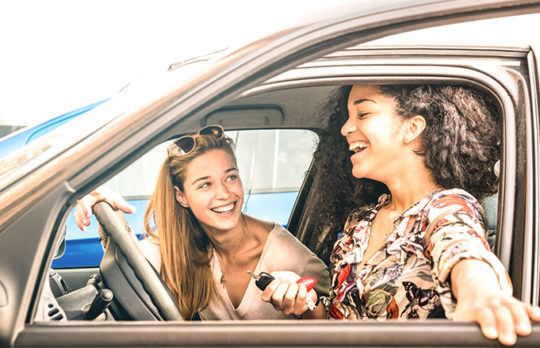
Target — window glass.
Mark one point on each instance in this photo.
(293, 148)
(272, 166)
(139, 179)
(274, 160)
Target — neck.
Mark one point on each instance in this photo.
(407, 191)
(227, 243)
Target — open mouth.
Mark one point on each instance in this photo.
(223, 209)
(357, 147)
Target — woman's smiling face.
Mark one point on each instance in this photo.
(213, 191)
(374, 133)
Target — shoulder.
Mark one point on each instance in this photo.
(260, 228)
(452, 198)
(452, 201)
(280, 236)
(282, 243)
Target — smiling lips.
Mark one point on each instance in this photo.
(357, 146)
(224, 209)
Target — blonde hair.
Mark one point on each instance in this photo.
(185, 248)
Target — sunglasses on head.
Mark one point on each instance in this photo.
(186, 144)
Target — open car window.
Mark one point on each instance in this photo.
(272, 164)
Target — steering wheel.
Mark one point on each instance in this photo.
(120, 236)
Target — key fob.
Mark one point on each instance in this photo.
(264, 280)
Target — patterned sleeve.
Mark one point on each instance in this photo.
(455, 231)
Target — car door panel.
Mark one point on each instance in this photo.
(303, 333)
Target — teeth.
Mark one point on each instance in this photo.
(224, 209)
(357, 147)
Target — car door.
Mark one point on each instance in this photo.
(43, 207)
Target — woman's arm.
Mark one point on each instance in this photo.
(480, 299)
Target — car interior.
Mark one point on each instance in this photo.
(126, 287)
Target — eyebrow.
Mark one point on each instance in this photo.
(202, 178)
(360, 101)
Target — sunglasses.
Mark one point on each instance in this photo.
(186, 144)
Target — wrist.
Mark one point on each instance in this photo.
(473, 276)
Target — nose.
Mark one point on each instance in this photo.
(222, 191)
(347, 128)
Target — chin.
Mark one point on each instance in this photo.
(359, 173)
(227, 223)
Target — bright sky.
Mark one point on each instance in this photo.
(58, 55)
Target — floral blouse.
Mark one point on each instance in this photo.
(409, 276)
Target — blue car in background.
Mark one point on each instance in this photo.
(26, 135)
(269, 194)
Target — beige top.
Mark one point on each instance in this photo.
(282, 252)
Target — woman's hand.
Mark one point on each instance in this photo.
(290, 298)
(480, 299)
(83, 208)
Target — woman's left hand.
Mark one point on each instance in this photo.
(481, 300)
(289, 297)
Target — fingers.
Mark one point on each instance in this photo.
(286, 296)
(278, 295)
(300, 305)
(266, 295)
(505, 318)
(505, 325)
(521, 319)
(83, 211)
(119, 203)
(289, 298)
(113, 198)
(124, 206)
(83, 208)
(513, 317)
(533, 312)
(488, 323)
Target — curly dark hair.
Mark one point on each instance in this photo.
(460, 145)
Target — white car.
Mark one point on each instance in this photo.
(277, 86)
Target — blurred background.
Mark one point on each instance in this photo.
(59, 55)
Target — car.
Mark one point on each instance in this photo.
(26, 135)
(274, 90)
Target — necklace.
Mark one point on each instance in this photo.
(224, 270)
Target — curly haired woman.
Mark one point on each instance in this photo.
(414, 246)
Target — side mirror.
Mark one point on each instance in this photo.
(61, 249)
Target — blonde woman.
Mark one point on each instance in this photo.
(204, 245)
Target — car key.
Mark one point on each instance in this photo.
(263, 279)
